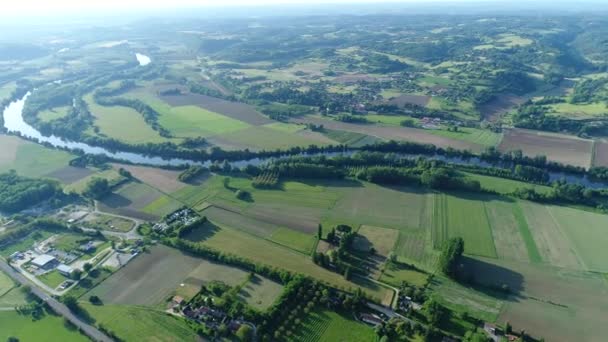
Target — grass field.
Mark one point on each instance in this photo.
(29, 159)
(132, 323)
(258, 250)
(587, 233)
(52, 279)
(122, 123)
(138, 200)
(106, 222)
(80, 185)
(153, 277)
(328, 326)
(53, 114)
(294, 239)
(194, 121)
(261, 137)
(10, 294)
(466, 217)
(477, 136)
(579, 111)
(506, 186)
(381, 239)
(48, 329)
(349, 138)
(396, 273)
(260, 293)
(506, 230)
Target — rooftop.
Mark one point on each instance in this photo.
(43, 259)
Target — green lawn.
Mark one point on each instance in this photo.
(52, 279)
(48, 329)
(328, 326)
(396, 273)
(132, 323)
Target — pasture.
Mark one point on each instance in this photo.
(163, 180)
(268, 253)
(122, 123)
(153, 277)
(260, 293)
(29, 159)
(53, 114)
(382, 240)
(294, 239)
(49, 328)
(579, 111)
(79, 185)
(194, 121)
(505, 186)
(557, 147)
(70, 174)
(473, 135)
(328, 326)
(463, 216)
(10, 294)
(268, 137)
(397, 273)
(133, 323)
(138, 200)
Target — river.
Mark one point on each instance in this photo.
(14, 123)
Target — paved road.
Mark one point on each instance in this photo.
(58, 307)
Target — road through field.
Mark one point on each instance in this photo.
(58, 307)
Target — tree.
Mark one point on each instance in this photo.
(450, 255)
(71, 302)
(77, 274)
(87, 267)
(95, 300)
(320, 232)
(245, 333)
(347, 273)
(96, 188)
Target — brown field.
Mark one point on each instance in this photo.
(549, 302)
(130, 200)
(108, 207)
(163, 180)
(305, 220)
(600, 153)
(394, 133)
(557, 147)
(236, 220)
(501, 104)
(418, 100)
(9, 145)
(235, 110)
(70, 174)
(152, 277)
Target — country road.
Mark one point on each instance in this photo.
(58, 307)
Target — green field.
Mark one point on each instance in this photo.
(194, 121)
(464, 299)
(132, 323)
(53, 114)
(328, 326)
(29, 159)
(260, 293)
(466, 217)
(396, 273)
(122, 123)
(579, 111)
(25, 243)
(52, 279)
(506, 186)
(260, 137)
(382, 240)
(10, 294)
(268, 253)
(48, 329)
(79, 187)
(474, 135)
(294, 239)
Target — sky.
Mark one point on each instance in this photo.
(54, 6)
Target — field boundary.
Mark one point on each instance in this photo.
(533, 253)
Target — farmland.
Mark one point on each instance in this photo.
(561, 148)
(138, 200)
(49, 328)
(327, 326)
(29, 159)
(133, 323)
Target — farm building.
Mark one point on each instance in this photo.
(371, 319)
(45, 261)
(65, 270)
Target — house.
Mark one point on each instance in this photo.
(371, 319)
(178, 300)
(65, 270)
(87, 247)
(45, 262)
(16, 255)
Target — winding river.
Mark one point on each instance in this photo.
(14, 123)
